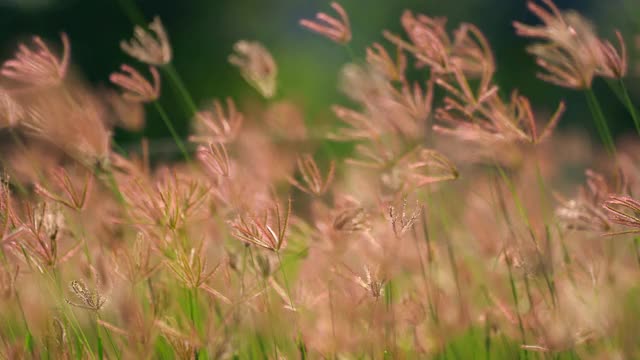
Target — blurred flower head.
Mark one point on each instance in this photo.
(571, 54)
(338, 30)
(135, 87)
(256, 66)
(151, 47)
(38, 67)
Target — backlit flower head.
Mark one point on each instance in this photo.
(89, 299)
(585, 211)
(338, 30)
(571, 54)
(218, 125)
(74, 123)
(372, 283)
(312, 180)
(151, 47)
(215, 159)
(267, 230)
(379, 58)
(623, 210)
(136, 87)
(38, 66)
(256, 66)
(10, 111)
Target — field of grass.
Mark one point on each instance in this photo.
(434, 216)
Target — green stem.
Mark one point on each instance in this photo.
(172, 130)
(636, 246)
(99, 339)
(182, 89)
(600, 121)
(286, 282)
(621, 92)
(514, 294)
(111, 342)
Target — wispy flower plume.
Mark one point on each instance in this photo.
(314, 183)
(73, 123)
(267, 230)
(74, 196)
(401, 222)
(379, 58)
(10, 111)
(585, 212)
(150, 47)
(215, 159)
(218, 125)
(89, 299)
(623, 210)
(427, 166)
(429, 41)
(489, 119)
(572, 53)
(136, 88)
(372, 283)
(256, 66)
(338, 30)
(38, 67)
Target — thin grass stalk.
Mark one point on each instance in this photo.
(29, 336)
(286, 281)
(182, 89)
(514, 290)
(293, 305)
(525, 217)
(268, 303)
(551, 286)
(622, 93)
(600, 121)
(57, 293)
(172, 130)
(636, 247)
(516, 303)
(425, 229)
(487, 328)
(423, 270)
(333, 321)
(390, 309)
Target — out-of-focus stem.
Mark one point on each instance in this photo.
(172, 130)
(600, 121)
(182, 89)
(621, 92)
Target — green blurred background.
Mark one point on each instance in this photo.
(202, 33)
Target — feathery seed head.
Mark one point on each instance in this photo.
(571, 54)
(151, 47)
(217, 125)
(10, 111)
(38, 67)
(400, 222)
(256, 66)
(313, 182)
(89, 299)
(135, 87)
(215, 159)
(623, 210)
(372, 283)
(338, 30)
(585, 212)
(352, 219)
(74, 197)
(267, 230)
(379, 59)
